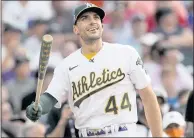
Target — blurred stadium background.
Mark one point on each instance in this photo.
(161, 31)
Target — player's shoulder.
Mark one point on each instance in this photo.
(67, 61)
(119, 47)
(73, 56)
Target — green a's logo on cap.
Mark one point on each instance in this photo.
(90, 5)
(83, 7)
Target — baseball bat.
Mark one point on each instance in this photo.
(43, 62)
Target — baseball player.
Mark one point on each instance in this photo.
(100, 81)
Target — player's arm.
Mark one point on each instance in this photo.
(152, 110)
(142, 81)
(52, 97)
(47, 102)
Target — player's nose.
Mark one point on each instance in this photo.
(92, 21)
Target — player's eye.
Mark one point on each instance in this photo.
(83, 18)
(97, 17)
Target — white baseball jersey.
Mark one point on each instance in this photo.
(100, 91)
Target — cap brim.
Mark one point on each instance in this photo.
(9, 28)
(97, 10)
(170, 118)
(174, 121)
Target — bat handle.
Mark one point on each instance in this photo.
(38, 93)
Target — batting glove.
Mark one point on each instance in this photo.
(32, 114)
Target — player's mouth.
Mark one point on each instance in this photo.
(93, 29)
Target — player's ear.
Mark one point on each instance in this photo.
(102, 27)
(75, 30)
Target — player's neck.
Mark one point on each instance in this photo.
(91, 47)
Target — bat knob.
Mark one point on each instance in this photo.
(47, 38)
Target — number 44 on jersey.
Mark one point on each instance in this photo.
(112, 106)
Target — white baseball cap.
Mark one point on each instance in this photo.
(149, 39)
(173, 117)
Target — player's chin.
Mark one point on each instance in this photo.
(94, 36)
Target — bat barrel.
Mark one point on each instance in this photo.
(43, 62)
(44, 55)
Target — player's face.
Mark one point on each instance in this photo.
(89, 26)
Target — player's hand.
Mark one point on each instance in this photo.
(32, 114)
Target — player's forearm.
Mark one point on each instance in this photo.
(47, 102)
(153, 116)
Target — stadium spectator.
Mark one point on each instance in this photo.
(173, 85)
(176, 6)
(33, 130)
(4, 95)
(139, 29)
(167, 64)
(60, 123)
(174, 34)
(142, 126)
(11, 44)
(119, 27)
(7, 113)
(22, 85)
(148, 41)
(173, 124)
(190, 17)
(62, 19)
(33, 43)
(162, 98)
(19, 13)
(12, 128)
(183, 96)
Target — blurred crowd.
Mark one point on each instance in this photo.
(161, 31)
